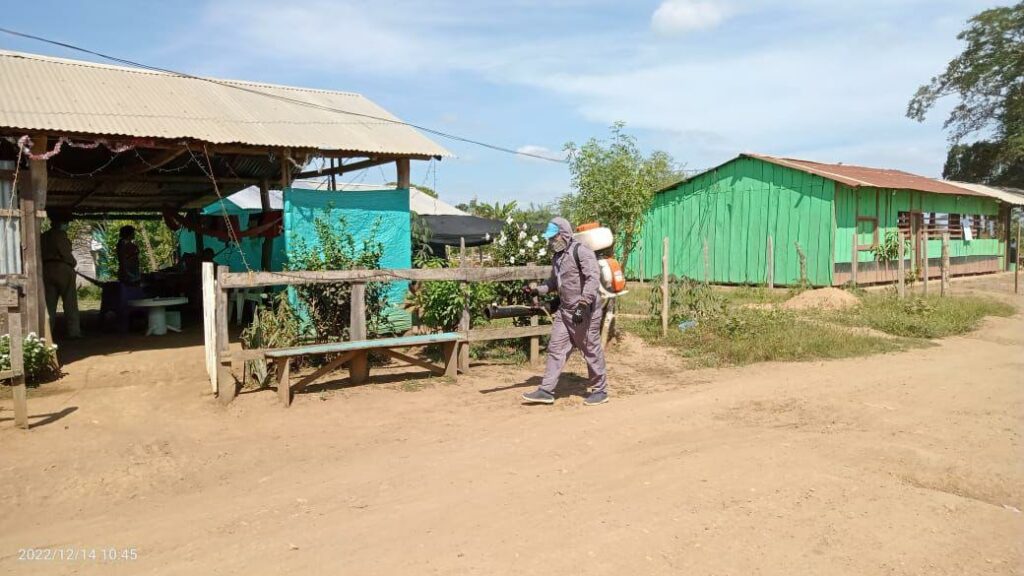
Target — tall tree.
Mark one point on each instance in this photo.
(988, 79)
(614, 184)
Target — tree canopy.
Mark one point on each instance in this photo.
(614, 183)
(987, 125)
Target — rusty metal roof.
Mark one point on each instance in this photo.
(857, 176)
(72, 96)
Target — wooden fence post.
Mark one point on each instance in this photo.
(210, 322)
(854, 262)
(769, 264)
(534, 343)
(225, 381)
(924, 263)
(1016, 263)
(641, 263)
(17, 366)
(944, 278)
(664, 287)
(901, 267)
(707, 263)
(359, 365)
(464, 321)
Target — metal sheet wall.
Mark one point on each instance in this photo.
(10, 228)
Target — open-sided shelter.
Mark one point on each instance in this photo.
(730, 223)
(106, 140)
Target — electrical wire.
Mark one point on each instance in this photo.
(279, 97)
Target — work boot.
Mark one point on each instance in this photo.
(596, 398)
(539, 396)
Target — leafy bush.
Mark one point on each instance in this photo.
(329, 305)
(40, 358)
(439, 304)
(274, 326)
(688, 300)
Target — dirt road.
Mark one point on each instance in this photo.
(908, 463)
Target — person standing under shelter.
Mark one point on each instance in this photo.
(59, 274)
(576, 277)
(129, 271)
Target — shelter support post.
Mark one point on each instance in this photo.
(19, 393)
(664, 285)
(197, 222)
(226, 389)
(359, 365)
(32, 195)
(402, 170)
(902, 266)
(769, 264)
(464, 321)
(534, 343)
(268, 242)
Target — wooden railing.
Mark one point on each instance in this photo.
(221, 361)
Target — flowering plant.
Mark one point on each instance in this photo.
(40, 357)
(518, 245)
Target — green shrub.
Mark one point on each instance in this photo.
(329, 305)
(439, 304)
(40, 358)
(688, 300)
(273, 326)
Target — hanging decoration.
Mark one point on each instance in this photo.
(25, 145)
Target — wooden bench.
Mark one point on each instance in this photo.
(354, 353)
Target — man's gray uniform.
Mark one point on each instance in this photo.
(574, 284)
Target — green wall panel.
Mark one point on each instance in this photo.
(734, 209)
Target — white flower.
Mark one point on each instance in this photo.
(522, 251)
(530, 243)
(487, 236)
(535, 238)
(501, 241)
(511, 259)
(542, 252)
(522, 235)
(509, 220)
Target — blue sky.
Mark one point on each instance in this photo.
(700, 79)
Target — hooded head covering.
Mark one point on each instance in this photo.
(559, 232)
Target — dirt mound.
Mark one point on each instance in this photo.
(824, 298)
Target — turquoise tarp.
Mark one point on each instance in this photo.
(230, 256)
(301, 209)
(361, 210)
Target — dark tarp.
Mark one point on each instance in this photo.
(447, 229)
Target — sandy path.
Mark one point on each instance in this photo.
(907, 463)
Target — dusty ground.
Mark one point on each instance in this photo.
(901, 464)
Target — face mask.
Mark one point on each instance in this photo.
(558, 243)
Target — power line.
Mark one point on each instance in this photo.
(296, 101)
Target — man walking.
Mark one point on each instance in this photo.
(577, 322)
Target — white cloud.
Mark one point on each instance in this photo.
(542, 151)
(677, 16)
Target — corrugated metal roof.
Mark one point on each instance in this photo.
(1013, 196)
(857, 176)
(43, 93)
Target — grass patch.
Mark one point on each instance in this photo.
(746, 336)
(931, 317)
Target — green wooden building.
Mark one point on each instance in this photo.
(720, 222)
